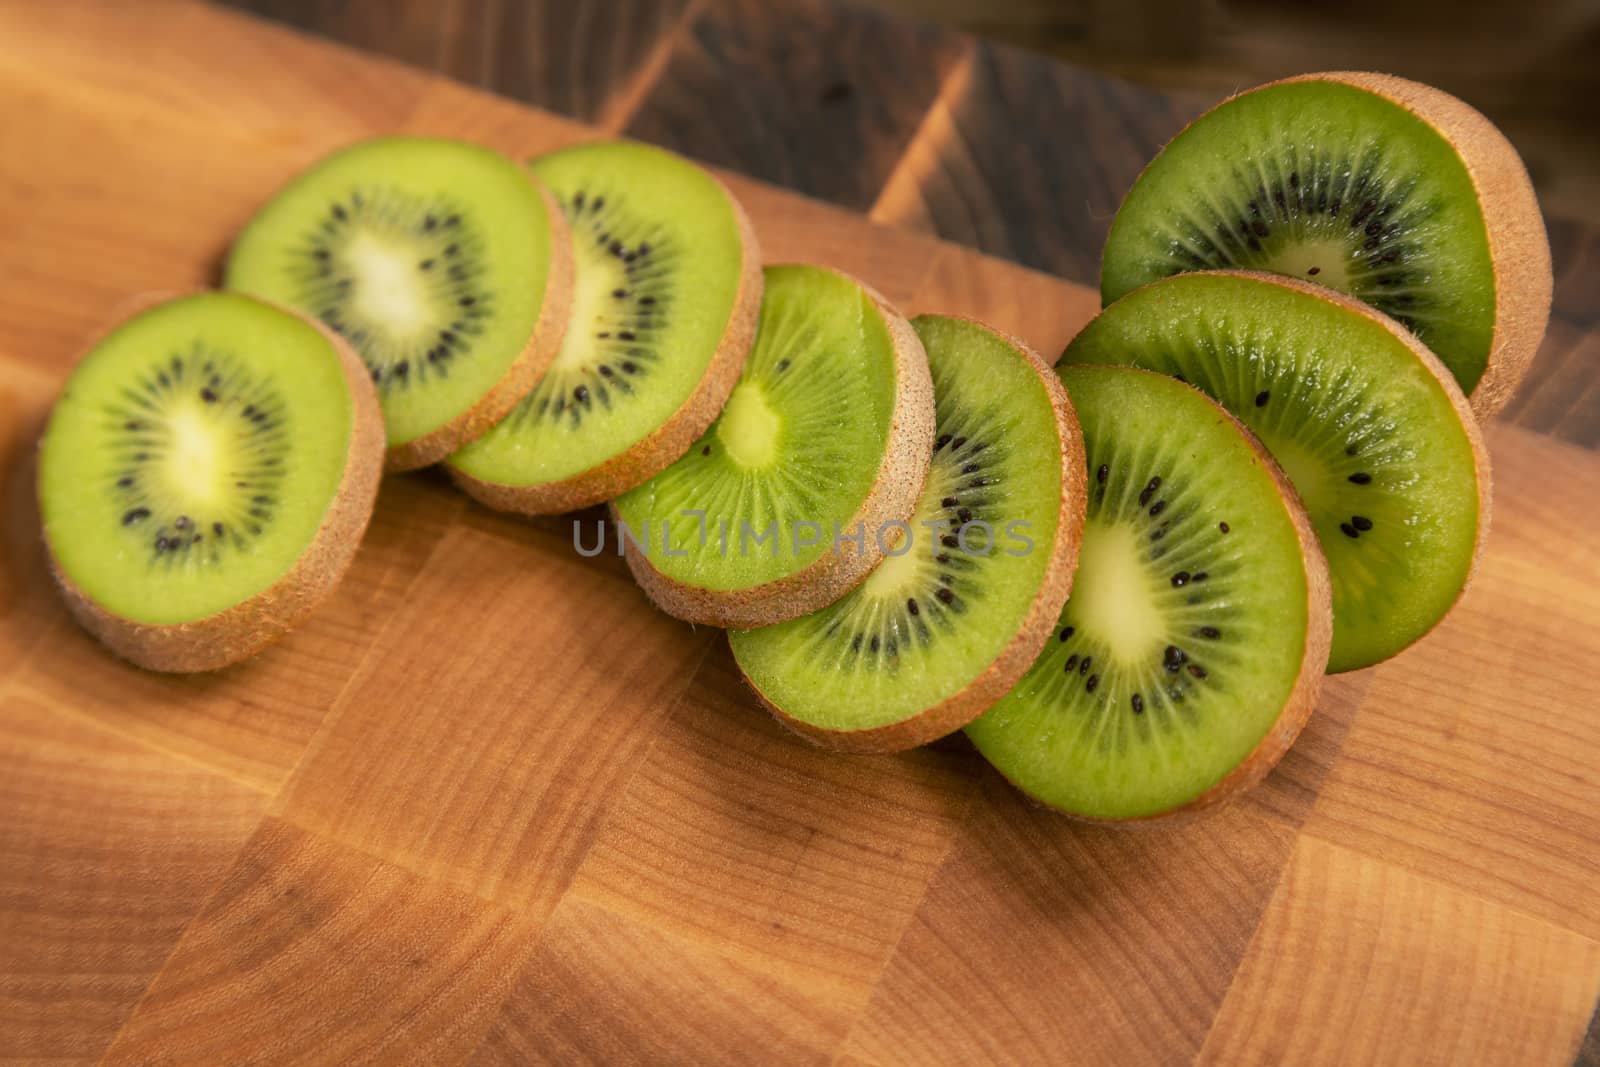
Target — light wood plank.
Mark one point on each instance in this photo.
(313, 953)
(739, 837)
(1358, 961)
(1042, 939)
(1473, 757)
(604, 989)
(509, 704)
(253, 720)
(107, 850)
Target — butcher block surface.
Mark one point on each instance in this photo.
(488, 806)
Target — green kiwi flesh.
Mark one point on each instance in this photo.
(1189, 653)
(825, 426)
(1372, 431)
(1330, 183)
(193, 457)
(430, 257)
(662, 255)
(984, 566)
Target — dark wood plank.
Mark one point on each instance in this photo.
(1028, 159)
(815, 95)
(575, 57)
(1589, 1051)
(1561, 395)
(1575, 252)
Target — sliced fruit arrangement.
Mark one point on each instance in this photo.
(1192, 648)
(1310, 294)
(445, 265)
(1394, 192)
(827, 436)
(1370, 427)
(205, 478)
(667, 287)
(944, 627)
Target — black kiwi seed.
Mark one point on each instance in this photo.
(1361, 522)
(1072, 662)
(1067, 633)
(706, 451)
(1138, 704)
(1100, 475)
(1083, 668)
(1348, 530)
(1210, 633)
(1157, 508)
(912, 606)
(216, 528)
(945, 595)
(1149, 491)
(1094, 680)
(1361, 478)
(1180, 579)
(1173, 658)
(1196, 670)
(1224, 527)
(1262, 398)
(581, 393)
(135, 515)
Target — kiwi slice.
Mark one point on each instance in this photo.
(205, 477)
(789, 499)
(947, 625)
(1370, 427)
(1385, 189)
(1192, 648)
(666, 290)
(444, 264)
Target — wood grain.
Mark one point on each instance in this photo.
(1048, 207)
(488, 768)
(1396, 983)
(1561, 395)
(27, 594)
(107, 850)
(313, 953)
(1040, 935)
(606, 989)
(254, 720)
(574, 58)
(513, 815)
(830, 122)
(1492, 786)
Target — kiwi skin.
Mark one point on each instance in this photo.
(1313, 662)
(239, 632)
(667, 443)
(893, 499)
(1002, 675)
(525, 371)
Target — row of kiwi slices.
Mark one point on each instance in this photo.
(1124, 576)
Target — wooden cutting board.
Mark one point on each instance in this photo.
(489, 806)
